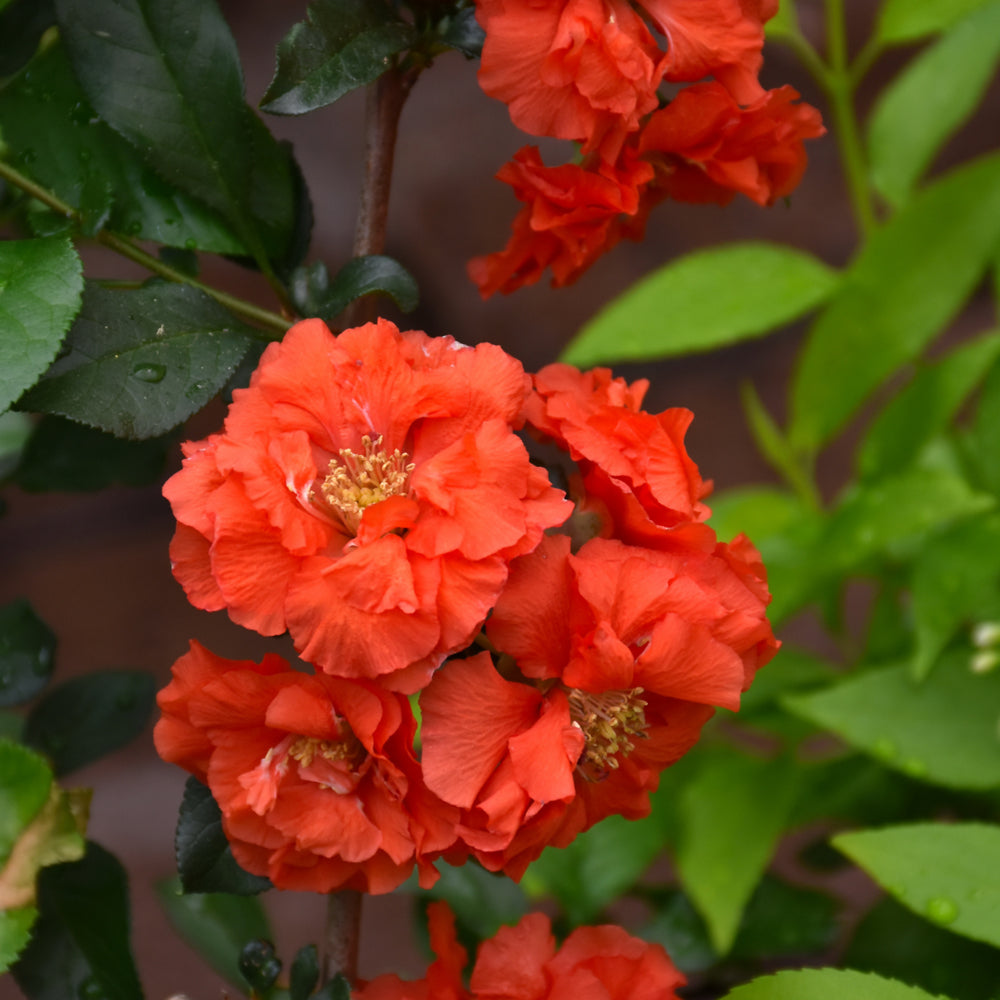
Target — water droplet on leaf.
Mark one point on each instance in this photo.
(149, 373)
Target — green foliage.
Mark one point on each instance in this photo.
(27, 647)
(942, 730)
(703, 301)
(480, 900)
(342, 45)
(316, 295)
(15, 932)
(84, 718)
(822, 984)
(910, 20)
(22, 24)
(27, 780)
(905, 285)
(40, 288)
(304, 974)
(140, 362)
(929, 101)
(216, 925)
(204, 858)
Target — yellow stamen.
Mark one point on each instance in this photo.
(306, 748)
(608, 721)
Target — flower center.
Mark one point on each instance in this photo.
(357, 480)
(306, 749)
(608, 722)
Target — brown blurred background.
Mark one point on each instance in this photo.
(95, 566)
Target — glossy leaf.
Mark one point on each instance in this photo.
(316, 295)
(167, 77)
(80, 944)
(948, 873)
(955, 582)
(57, 139)
(924, 407)
(15, 931)
(731, 816)
(823, 984)
(68, 457)
(892, 941)
(89, 716)
(342, 45)
(926, 103)
(40, 289)
(703, 301)
(910, 20)
(259, 966)
(204, 859)
(905, 285)
(216, 925)
(942, 730)
(140, 362)
(27, 648)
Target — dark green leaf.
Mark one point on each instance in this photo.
(80, 945)
(24, 790)
(167, 77)
(15, 930)
(40, 289)
(891, 941)
(703, 301)
(87, 717)
(342, 45)
(140, 362)
(461, 31)
(955, 582)
(22, 24)
(942, 730)
(948, 873)
(204, 859)
(216, 925)
(986, 432)
(924, 407)
(304, 973)
(480, 900)
(27, 648)
(909, 20)
(907, 283)
(360, 276)
(61, 143)
(15, 429)
(731, 814)
(69, 457)
(824, 984)
(926, 103)
(337, 988)
(259, 965)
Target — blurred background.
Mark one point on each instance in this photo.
(95, 567)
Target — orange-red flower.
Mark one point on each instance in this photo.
(524, 963)
(585, 70)
(314, 775)
(367, 494)
(707, 147)
(572, 215)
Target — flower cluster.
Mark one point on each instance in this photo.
(371, 494)
(591, 71)
(523, 963)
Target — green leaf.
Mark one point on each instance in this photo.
(140, 362)
(791, 670)
(57, 139)
(824, 984)
(304, 974)
(755, 511)
(599, 866)
(342, 45)
(785, 22)
(891, 941)
(948, 873)
(906, 284)
(955, 582)
(924, 407)
(480, 900)
(27, 648)
(204, 858)
(216, 925)
(22, 24)
(926, 103)
(985, 437)
(15, 931)
(40, 288)
(942, 730)
(316, 295)
(703, 301)
(80, 944)
(259, 966)
(910, 20)
(462, 32)
(167, 77)
(15, 430)
(24, 790)
(86, 717)
(731, 816)
(69, 457)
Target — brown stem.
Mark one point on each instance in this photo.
(340, 946)
(385, 100)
